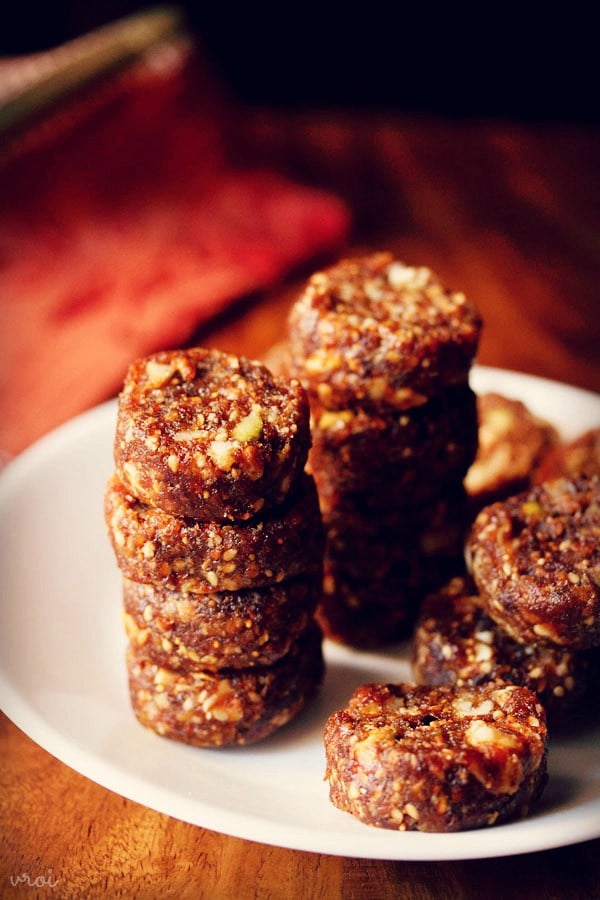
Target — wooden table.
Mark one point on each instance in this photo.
(506, 212)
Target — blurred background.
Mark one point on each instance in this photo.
(144, 212)
(530, 63)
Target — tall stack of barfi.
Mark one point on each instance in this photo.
(384, 351)
(217, 531)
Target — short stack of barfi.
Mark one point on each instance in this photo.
(530, 612)
(217, 531)
(384, 351)
(457, 643)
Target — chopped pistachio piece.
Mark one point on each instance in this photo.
(250, 427)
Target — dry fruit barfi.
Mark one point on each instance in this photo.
(368, 612)
(373, 599)
(185, 554)
(404, 458)
(376, 333)
(209, 435)
(361, 541)
(512, 442)
(579, 456)
(456, 642)
(232, 706)
(535, 559)
(224, 629)
(436, 759)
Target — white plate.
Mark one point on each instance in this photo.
(62, 675)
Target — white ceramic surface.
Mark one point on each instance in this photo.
(63, 682)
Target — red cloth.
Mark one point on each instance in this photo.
(123, 227)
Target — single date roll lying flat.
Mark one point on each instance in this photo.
(436, 759)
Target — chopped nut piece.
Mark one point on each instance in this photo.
(250, 427)
(223, 453)
(157, 373)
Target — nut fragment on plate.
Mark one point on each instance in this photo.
(436, 759)
(206, 434)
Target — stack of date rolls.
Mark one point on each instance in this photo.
(217, 532)
(384, 351)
